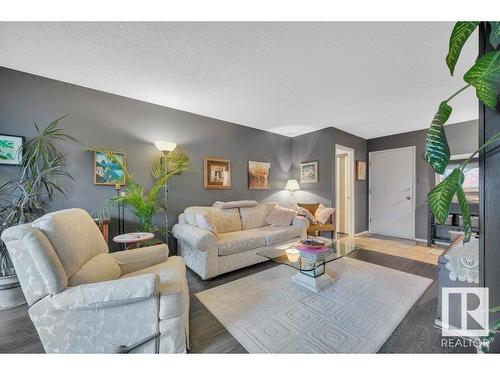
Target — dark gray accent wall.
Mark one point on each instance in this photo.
(102, 119)
(462, 138)
(320, 145)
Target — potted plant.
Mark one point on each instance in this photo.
(146, 204)
(24, 197)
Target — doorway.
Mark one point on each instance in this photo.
(392, 192)
(344, 190)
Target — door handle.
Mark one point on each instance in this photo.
(408, 198)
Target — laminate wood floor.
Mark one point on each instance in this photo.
(415, 334)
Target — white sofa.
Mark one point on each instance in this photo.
(241, 233)
(84, 299)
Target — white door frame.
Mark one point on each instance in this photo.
(413, 193)
(351, 225)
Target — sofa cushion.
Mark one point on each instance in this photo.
(225, 220)
(174, 294)
(275, 235)
(255, 217)
(74, 236)
(280, 216)
(234, 204)
(102, 267)
(236, 242)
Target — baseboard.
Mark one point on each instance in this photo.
(361, 233)
(420, 240)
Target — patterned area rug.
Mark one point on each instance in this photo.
(268, 313)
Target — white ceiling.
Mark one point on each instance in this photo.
(369, 79)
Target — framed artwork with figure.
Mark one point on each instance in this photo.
(360, 170)
(217, 173)
(258, 175)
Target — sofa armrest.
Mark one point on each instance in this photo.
(303, 223)
(106, 293)
(195, 237)
(137, 259)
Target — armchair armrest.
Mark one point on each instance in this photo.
(195, 237)
(137, 259)
(106, 293)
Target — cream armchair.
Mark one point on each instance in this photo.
(84, 299)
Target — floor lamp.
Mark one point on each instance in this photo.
(165, 147)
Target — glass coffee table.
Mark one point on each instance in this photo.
(311, 266)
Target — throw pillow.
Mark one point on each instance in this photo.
(204, 222)
(323, 214)
(311, 207)
(280, 216)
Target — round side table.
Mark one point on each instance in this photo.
(133, 238)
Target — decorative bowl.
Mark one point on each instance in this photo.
(312, 243)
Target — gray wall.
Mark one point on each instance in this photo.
(320, 145)
(98, 118)
(462, 138)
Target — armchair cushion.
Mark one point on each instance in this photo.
(74, 236)
(174, 294)
(137, 259)
(102, 267)
(195, 237)
(106, 294)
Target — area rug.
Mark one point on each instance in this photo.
(268, 313)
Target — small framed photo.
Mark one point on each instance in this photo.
(258, 175)
(11, 149)
(109, 172)
(217, 173)
(360, 170)
(309, 172)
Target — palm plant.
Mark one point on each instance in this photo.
(24, 198)
(145, 204)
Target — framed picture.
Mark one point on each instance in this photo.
(11, 149)
(108, 172)
(258, 175)
(217, 173)
(360, 170)
(309, 171)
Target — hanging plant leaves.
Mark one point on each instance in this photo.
(464, 209)
(485, 77)
(437, 151)
(495, 34)
(440, 197)
(461, 32)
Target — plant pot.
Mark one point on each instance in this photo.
(11, 294)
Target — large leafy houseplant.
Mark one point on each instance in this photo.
(37, 183)
(146, 204)
(484, 76)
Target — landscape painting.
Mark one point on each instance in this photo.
(258, 175)
(10, 149)
(108, 172)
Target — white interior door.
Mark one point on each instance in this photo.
(392, 189)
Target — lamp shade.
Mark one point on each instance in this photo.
(292, 185)
(165, 146)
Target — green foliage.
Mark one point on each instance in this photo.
(495, 33)
(440, 197)
(461, 32)
(485, 77)
(145, 204)
(437, 151)
(23, 198)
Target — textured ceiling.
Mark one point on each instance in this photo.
(369, 79)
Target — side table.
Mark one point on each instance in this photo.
(133, 238)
